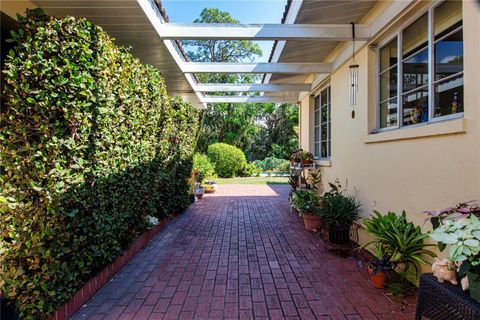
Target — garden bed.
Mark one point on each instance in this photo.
(97, 281)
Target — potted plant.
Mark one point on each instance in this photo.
(338, 212)
(307, 202)
(379, 269)
(397, 241)
(210, 186)
(199, 192)
(459, 228)
(302, 157)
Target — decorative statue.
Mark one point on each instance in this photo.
(444, 270)
(464, 283)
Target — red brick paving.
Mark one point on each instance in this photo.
(240, 254)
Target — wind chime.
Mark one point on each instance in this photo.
(353, 75)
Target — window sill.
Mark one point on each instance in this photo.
(428, 130)
(323, 163)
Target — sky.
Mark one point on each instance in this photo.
(246, 11)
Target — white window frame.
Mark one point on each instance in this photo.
(431, 73)
(320, 122)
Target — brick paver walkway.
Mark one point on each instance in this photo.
(240, 254)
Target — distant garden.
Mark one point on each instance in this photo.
(265, 134)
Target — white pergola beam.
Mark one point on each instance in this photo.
(252, 87)
(247, 99)
(263, 67)
(220, 31)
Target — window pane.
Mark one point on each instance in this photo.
(388, 113)
(324, 149)
(324, 97)
(388, 84)
(317, 149)
(317, 134)
(449, 97)
(415, 107)
(447, 17)
(415, 36)
(449, 56)
(317, 117)
(324, 114)
(329, 146)
(415, 71)
(388, 55)
(323, 135)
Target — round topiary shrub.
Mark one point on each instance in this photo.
(228, 159)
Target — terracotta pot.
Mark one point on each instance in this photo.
(199, 196)
(312, 222)
(304, 162)
(378, 279)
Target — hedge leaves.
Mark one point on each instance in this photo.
(90, 144)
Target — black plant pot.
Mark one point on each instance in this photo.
(6, 311)
(339, 235)
(192, 198)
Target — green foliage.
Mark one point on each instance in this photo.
(305, 201)
(221, 50)
(91, 145)
(248, 170)
(272, 163)
(397, 239)
(202, 164)
(277, 133)
(462, 237)
(339, 210)
(228, 160)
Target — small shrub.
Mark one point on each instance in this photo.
(248, 170)
(228, 159)
(205, 168)
(272, 163)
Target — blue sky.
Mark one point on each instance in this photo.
(246, 11)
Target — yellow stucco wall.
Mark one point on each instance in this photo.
(408, 172)
(12, 8)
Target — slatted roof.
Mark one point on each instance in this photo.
(311, 29)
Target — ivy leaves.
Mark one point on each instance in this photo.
(91, 145)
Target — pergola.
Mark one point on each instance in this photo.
(171, 32)
(294, 69)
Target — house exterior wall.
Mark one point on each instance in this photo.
(414, 169)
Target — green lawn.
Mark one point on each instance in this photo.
(253, 180)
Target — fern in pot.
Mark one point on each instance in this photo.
(396, 241)
(339, 211)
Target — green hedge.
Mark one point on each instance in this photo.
(202, 164)
(90, 145)
(228, 159)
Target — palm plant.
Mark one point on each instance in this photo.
(398, 240)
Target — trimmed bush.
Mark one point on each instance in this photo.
(228, 160)
(202, 164)
(272, 163)
(248, 170)
(90, 145)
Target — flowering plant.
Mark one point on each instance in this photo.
(459, 227)
(301, 155)
(462, 210)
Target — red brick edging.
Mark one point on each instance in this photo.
(89, 289)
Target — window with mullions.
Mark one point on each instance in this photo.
(322, 124)
(426, 83)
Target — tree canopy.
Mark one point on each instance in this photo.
(259, 130)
